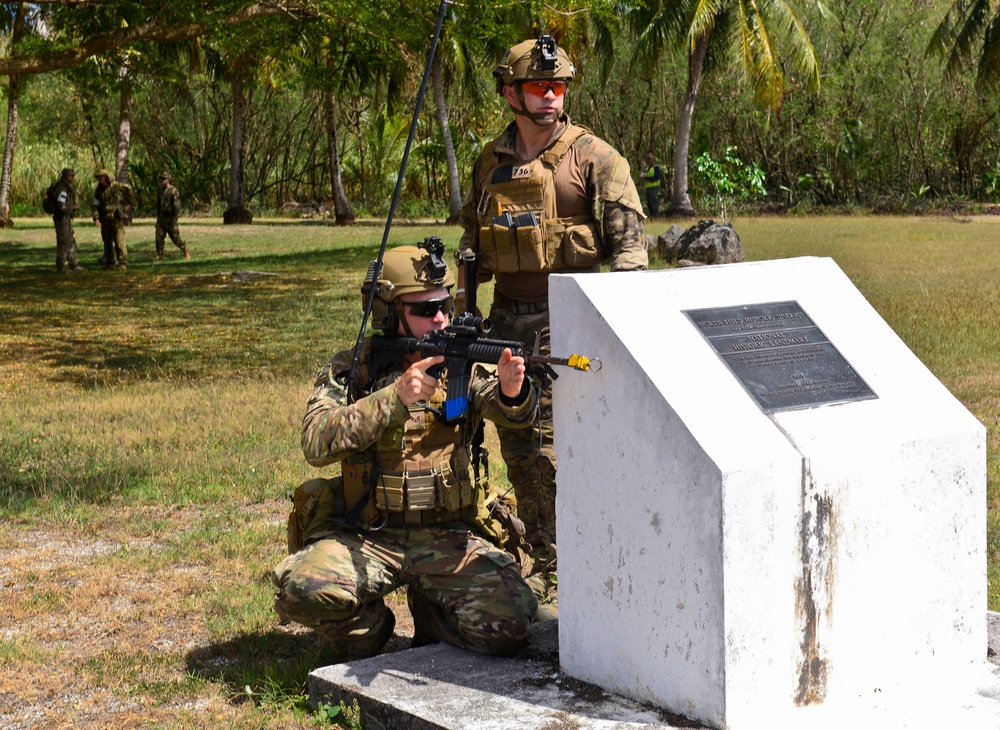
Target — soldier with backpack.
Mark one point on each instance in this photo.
(60, 203)
(112, 206)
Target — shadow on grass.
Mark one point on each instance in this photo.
(179, 318)
(271, 663)
(27, 476)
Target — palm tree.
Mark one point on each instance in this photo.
(970, 29)
(750, 34)
(13, 99)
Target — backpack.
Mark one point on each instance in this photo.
(49, 200)
(123, 202)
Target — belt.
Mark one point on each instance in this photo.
(424, 517)
(519, 307)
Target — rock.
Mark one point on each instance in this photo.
(650, 243)
(304, 210)
(666, 243)
(709, 242)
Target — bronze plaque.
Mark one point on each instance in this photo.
(780, 356)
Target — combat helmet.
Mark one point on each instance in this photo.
(103, 172)
(405, 270)
(534, 59)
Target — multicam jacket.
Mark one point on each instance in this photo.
(106, 200)
(168, 203)
(378, 425)
(64, 195)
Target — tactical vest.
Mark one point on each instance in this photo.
(417, 474)
(519, 229)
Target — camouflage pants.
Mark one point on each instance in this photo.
(529, 453)
(461, 589)
(167, 227)
(113, 235)
(65, 242)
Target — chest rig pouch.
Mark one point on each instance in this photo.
(519, 226)
(418, 474)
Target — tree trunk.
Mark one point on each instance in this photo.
(342, 207)
(237, 212)
(454, 194)
(11, 141)
(124, 128)
(680, 201)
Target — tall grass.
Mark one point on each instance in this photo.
(149, 427)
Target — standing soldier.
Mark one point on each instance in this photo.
(110, 200)
(547, 196)
(168, 207)
(62, 201)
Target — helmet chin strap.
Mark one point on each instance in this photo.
(401, 315)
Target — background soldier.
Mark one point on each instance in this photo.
(63, 197)
(168, 208)
(547, 196)
(407, 508)
(110, 199)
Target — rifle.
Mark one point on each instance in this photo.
(462, 343)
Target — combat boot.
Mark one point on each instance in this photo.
(187, 255)
(429, 623)
(158, 257)
(364, 634)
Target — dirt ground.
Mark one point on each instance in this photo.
(86, 643)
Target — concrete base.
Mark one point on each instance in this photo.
(441, 687)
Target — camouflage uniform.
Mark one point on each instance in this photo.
(64, 195)
(168, 207)
(596, 216)
(461, 587)
(104, 208)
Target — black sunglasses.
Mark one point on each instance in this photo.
(430, 307)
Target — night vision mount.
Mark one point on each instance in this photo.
(547, 47)
(434, 246)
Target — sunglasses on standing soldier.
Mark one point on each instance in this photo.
(429, 308)
(541, 88)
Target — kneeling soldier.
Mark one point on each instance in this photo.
(406, 509)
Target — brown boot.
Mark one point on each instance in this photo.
(364, 634)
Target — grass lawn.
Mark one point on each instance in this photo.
(150, 434)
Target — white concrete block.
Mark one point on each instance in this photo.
(746, 569)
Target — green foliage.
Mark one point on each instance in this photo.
(340, 715)
(729, 177)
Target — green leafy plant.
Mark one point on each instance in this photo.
(729, 177)
(340, 714)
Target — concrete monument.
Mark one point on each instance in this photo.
(770, 513)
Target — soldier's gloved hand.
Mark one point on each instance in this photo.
(510, 370)
(416, 384)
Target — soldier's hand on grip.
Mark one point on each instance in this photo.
(416, 383)
(510, 370)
